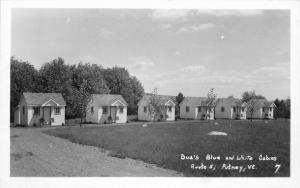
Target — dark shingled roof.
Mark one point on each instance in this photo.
(231, 101)
(163, 98)
(107, 99)
(264, 103)
(195, 101)
(41, 98)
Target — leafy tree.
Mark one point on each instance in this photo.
(92, 74)
(23, 78)
(282, 109)
(120, 82)
(154, 105)
(248, 95)
(288, 108)
(137, 93)
(178, 99)
(210, 102)
(55, 77)
(92, 77)
(83, 97)
(252, 100)
(252, 107)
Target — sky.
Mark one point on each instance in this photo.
(173, 50)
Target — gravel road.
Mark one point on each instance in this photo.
(36, 154)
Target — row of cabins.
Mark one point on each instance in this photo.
(49, 109)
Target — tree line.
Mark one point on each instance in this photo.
(58, 77)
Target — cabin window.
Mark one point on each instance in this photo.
(271, 109)
(170, 108)
(92, 109)
(199, 108)
(222, 109)
(104, 110)
(243, 109)
(234, 109)
(187, 108)
(23, 110)
(36, 111)
(57, 111)
(121, 109)
(145, 108)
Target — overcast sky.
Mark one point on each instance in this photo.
(186, 51)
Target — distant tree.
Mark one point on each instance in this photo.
(83, 97)
(248, 95)
(92, 74)
(120, 82)
(282, 109)
(210, 102)
(137, 92)
(178, 99)
(252, 107)
(154, 105)
(288, 108)
(23, 78)
(92, 77)
(55, 77)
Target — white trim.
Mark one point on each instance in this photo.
(113, 104)
(170, 101)
(49, 101)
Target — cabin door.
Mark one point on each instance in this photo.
(47, 114)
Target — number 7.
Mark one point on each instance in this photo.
(277, 166)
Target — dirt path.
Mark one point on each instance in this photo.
(36, 154)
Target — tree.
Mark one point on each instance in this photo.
(178, 99)
(23, 78)
(120, 82)
(210, 102)
(137, 92)
(154, 105)
(83, 97)
(288, 108)
(92, 75)
(282, 109)
(252, 100)
(252, 107)
(55, 77)
(248, 95)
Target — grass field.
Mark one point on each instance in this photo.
(163, 144)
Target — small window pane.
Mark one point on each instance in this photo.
(105, 110)
(121, 109)
(36, 110)
(170, 108)
(187, 109)
(222, 109)
(57, 111)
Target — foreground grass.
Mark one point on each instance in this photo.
(163, 144)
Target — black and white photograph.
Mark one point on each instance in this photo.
(150, 92)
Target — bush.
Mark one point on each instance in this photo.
(42, 120)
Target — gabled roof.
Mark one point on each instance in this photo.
(265, 103)
(41, 98)
(163, 99)
(194, 101)
(107, 99)
(231, 101)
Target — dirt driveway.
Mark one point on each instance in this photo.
(36, 154)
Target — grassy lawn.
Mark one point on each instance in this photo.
(163, 144)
